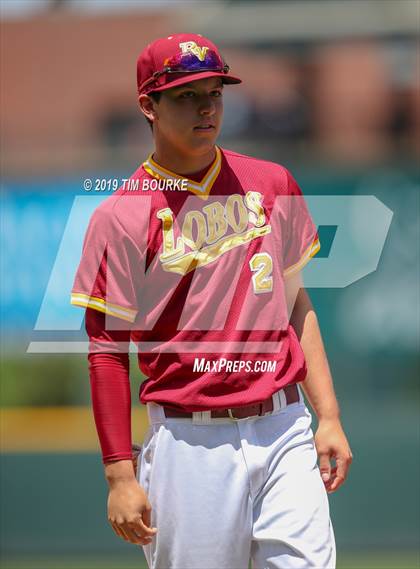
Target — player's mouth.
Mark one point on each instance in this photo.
(205, 127)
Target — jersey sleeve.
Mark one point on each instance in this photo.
(107, 279)
(301, 241)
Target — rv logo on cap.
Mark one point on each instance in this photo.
(192, 47)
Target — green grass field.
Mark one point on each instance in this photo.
(392, 560)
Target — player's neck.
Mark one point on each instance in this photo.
(181, 164)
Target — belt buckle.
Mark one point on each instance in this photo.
(231, 416)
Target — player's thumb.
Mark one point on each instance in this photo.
(147, 517)
(325, 466)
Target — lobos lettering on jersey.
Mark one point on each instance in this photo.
(211, 232)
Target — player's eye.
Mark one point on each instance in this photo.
(186, 94)
(217, 93)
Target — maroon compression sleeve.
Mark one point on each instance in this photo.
(110, 386)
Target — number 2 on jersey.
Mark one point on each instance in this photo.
(262, 265)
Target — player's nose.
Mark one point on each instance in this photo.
(207, 106)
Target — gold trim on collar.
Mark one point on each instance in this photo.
(201, 189)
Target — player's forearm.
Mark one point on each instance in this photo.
(318, 385)
(110, 387)
(111, 401)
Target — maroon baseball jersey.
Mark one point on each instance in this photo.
(196, 270)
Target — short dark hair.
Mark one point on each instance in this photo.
(155, 95)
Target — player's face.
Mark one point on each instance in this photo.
(189, 117)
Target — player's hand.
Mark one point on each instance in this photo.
(129, 512)
(332, 445)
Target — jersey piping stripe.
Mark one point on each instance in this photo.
(200, 188)
(79, 299)
(164, 172)
(309, 253)
(103, 309)
(101, 300)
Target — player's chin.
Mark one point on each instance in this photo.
(201, 139)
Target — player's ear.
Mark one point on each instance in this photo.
(148, 107)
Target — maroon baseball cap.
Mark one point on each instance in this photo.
(178, 59)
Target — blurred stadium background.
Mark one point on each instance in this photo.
(331, 90)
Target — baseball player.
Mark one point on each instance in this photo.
(197, 261)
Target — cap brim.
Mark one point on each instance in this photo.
(188, 77)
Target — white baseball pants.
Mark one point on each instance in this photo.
(226, 491)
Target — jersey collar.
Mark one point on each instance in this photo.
(202, 188)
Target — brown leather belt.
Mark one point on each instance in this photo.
(290, 391)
